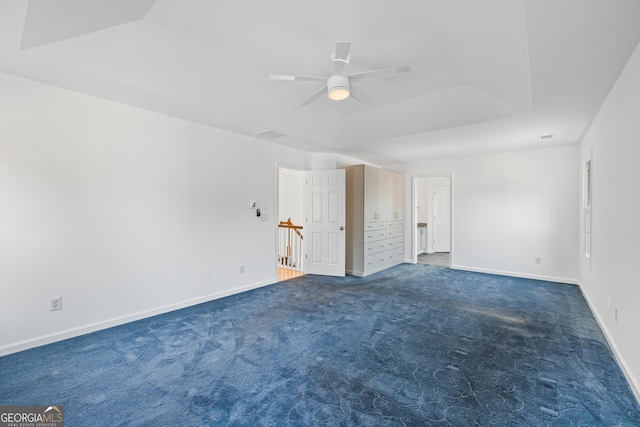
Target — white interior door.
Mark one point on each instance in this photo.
(325, 222)
(441, 215)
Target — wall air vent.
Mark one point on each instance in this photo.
(270, 134)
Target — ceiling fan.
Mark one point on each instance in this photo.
(338, 85)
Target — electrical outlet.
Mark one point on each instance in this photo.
(242, 269)
(538, 260)
(56, 303)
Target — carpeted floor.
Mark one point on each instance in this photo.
(415, 345)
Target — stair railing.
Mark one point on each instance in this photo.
(290, 246)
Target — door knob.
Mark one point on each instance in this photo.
(341, 228)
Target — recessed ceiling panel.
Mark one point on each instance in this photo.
(51, 21)
(503, 71)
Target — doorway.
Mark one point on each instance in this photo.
(291, 253)
(433, 219)
(311, 219)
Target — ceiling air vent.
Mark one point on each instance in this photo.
(545, 137)
(270, 134)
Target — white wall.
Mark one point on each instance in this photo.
(510, 208)
(614, 137)
(123, 212)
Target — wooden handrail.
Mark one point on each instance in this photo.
(298, 227)
(289, 224)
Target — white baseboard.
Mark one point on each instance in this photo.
(515, 274)
(98, 326)
(633, 382)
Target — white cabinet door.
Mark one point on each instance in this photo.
(379, 187)
(395, 196)
(398, 198)
(325, 214)
(370, 194)
(381, 202)
(391, 194)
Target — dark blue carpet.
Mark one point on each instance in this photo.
(413, 345)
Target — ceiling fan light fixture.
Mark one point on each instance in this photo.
(339, 94)
(338, 88)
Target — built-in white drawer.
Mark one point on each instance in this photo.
(375, 226)
(375, 247)
(375, 262)
(394, 232)
(372, 236)
(397, 255)
(397, 243)
(394, 224)
(393, 256)
(390, 257)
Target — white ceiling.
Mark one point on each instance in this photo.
(486, 76)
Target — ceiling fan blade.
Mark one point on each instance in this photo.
(297, 78)
(385, 72)
(341, 57)
(358, 95)
(315, 95)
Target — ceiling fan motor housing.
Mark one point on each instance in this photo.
(338, 87)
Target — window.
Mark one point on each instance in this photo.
(588, 188)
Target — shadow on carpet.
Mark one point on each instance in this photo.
(412, 345)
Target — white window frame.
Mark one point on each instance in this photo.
(587, 204)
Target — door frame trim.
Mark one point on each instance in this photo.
(279, 166)
(414, 214)
(308, 212)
